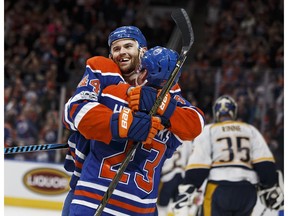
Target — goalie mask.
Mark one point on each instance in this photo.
(160, 63)
(131, 32)
(225, 106)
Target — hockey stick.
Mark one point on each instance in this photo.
(263, 212)
(33, 148)
(182, 20)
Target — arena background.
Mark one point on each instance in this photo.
(238, 50)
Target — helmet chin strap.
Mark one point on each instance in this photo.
(142, 84)
(133, 79)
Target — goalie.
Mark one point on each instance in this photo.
(237, 162)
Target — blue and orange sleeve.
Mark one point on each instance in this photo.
(95, 124)
(186, 123)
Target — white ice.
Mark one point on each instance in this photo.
(16, 211)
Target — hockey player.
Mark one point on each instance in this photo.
(126, 55)
(235, 158)
(87, 113)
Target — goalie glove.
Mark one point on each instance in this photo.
(184, 199)
(136, 126)
(273, 198)
(142, 98)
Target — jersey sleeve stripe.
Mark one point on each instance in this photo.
(263, 159)
(71, 144)
(75, 173)
(69, 157)
(114, 97)
(227, 164)
(104, 73)
(83, 111)
(66, 118)
(80, 154)
(197, 166)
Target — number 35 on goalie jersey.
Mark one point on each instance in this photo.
(229, 149)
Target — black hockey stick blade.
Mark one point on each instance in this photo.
(182, 20)
(180, 17)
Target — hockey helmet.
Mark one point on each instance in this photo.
(127, 32)
(225, 106)
(160, 63)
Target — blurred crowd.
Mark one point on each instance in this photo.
(243, 56)
(48, 41)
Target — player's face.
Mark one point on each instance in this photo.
(125, 53)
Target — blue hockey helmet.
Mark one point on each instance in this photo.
(225, 106)
(160, 63)
(127, 32)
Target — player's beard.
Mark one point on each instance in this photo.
(127, 69)
(130, 72)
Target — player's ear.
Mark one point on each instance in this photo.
(142, 51)
(110, 56)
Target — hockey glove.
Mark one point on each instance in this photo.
(183, 200)
(143, 98)
(136, 126)
(273, 198)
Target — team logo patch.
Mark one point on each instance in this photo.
(87, 95)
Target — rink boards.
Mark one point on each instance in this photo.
(45, 185)
(34, 184)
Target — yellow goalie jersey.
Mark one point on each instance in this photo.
(229, 150)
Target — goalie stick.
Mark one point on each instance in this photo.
(182, 20)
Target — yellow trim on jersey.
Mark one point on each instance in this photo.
(264, 159)
(219, 164)
(33, 203)
(207, 205)
(197, 166)
(227, 122)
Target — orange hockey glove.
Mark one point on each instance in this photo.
(136, 126)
